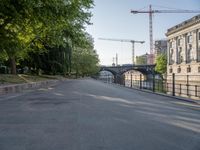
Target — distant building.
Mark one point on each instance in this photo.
(150, 59)
(160, 47)
(141, 60)
(184, 52)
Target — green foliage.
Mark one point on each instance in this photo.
(161, 64)
(141, 60)
(54, 61)
(85, 60)
(3, 56)
(43, 34)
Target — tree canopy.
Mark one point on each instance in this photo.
(161, 64)
(44, 34)
(141, 60)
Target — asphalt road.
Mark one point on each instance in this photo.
(90, 115)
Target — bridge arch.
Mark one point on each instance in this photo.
(118, 71)
(143, 70)
(118, 78)
(108, 69)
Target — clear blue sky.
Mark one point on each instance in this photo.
(112, 19)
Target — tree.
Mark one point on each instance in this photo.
(85, 62)
(85, 59)
(161, 64)
(14, 29)
(141, 60)
(39, 26)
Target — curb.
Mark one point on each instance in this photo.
(13, 88)
(167, 95)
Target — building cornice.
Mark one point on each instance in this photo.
(190, 22)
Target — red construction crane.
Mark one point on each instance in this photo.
(150, 12)
(126, 40)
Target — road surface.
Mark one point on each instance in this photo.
(91, 115)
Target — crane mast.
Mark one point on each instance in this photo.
(126, 40)
(151, 12)
(151, 35)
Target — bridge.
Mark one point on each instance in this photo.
(118, 71)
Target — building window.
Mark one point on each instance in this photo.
(179, 69)
(180, 57)
(199, 69)
(170, 70)
(189, 54)
(170, 44)
(173, 44)
(198, 54)
(189, 38)
(199, 35)
(171, 56)
(179, 42)
(188, 69)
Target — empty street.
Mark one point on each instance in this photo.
(86, 114)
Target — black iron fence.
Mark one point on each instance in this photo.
(175, 85)
(105, 78)
(184, 85)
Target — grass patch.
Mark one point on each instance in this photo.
(12, 79)
(22, 78)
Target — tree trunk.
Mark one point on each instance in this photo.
(13, 65)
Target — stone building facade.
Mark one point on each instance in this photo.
(184, 50)
(184, 58)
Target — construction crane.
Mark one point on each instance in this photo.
(126, 40)
(150, 12)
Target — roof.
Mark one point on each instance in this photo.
(192, 21)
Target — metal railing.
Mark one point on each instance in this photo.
(175, 85)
